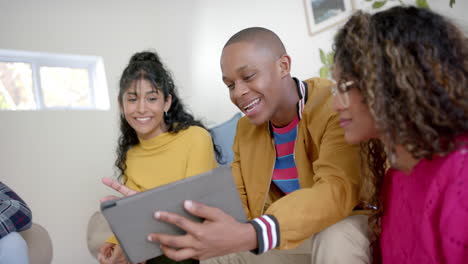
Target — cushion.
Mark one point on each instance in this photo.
(98, 232)
(223, 136)
(39, 244)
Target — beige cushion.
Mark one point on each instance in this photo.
(39, 244)
(98, 232)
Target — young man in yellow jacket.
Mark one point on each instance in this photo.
(298, 179)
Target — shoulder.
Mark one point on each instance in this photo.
(454, 205)
(454, 162)
(448, 172)
(3, 187)
(318, 109)
(244, 123)
(318, 83)
(245, 128)
(458, 161)
(194, 137)
(318, 86)
(195, 132)
(3, 191)
(318, 94)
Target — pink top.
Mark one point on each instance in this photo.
(425, 217)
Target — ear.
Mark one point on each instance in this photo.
(285, 65)
(167, 103)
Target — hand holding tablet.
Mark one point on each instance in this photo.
(132, 218)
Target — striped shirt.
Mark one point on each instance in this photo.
(285, 172)
(266, 226)
(15, 215)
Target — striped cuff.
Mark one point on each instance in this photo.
(268, 235)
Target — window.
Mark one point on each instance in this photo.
(36, 80)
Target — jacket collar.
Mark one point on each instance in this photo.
(302, 91)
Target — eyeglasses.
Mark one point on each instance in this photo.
(340, 90)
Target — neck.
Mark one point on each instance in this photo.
(287, 111)
(404, 160)
(163, 129)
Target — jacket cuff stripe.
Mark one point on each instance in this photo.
(274, 237)
(267, 230)
(261, 236)
(268, 241)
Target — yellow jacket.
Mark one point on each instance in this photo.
(328, 170)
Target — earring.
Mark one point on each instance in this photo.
(165, 114)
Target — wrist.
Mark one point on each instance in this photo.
(250, 238)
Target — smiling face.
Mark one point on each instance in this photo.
(143, 107)
(253, 76)
(355, 119)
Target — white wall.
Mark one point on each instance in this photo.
(55, 159)
(218, 20)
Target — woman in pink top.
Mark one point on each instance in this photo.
(402, 92)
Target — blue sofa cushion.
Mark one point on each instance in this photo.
(223, 136)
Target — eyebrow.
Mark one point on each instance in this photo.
(237, 71)
(149, 92)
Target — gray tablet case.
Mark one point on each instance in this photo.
(131, 218)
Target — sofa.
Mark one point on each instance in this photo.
(40, 248)
(223, 136)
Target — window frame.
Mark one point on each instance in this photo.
(93, 64)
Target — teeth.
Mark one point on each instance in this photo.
(251, 104)
(142, 118)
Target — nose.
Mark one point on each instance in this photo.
(141, 106)
(337, 105)
(240, 89)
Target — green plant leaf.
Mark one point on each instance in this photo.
(452, 2)
(3, 102)
(330, 58)
(323, 58)
(369, 0)
(422, 3)
(324, 71)
(378, 4)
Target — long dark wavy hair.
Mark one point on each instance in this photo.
(147, 66)
(411, 67)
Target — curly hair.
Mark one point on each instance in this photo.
(411, 67)
(148, 66)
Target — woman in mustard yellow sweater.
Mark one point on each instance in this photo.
(160, 142)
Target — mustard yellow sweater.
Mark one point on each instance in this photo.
(168, 158)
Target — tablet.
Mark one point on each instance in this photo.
(131, 218)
